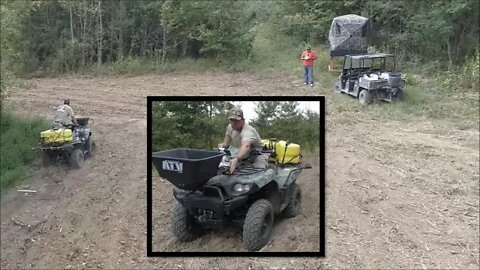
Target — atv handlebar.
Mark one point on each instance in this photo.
(225, 150)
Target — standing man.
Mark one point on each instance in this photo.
(308, 56)
(246, 139)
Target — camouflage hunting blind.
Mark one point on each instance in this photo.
(348, 35)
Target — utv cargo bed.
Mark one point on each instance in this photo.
(185, 168)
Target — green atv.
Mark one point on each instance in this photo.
(209, 197)
(72, 143)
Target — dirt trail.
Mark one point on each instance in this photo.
(409, 198)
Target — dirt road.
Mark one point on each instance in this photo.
(399, 194)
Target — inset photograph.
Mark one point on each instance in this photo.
(228, 176)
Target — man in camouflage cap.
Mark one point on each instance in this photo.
(244, 137)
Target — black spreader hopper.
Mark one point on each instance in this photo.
(185, 168)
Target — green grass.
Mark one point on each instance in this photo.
(421, 102)
(18, 137)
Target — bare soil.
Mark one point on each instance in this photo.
(398, 194)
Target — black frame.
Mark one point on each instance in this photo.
(321, 251)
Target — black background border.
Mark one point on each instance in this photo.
(320, 253)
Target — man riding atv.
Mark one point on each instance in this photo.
(69, 139)
(245, 138)
(64, 116)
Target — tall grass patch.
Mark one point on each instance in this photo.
(273, 52)
(426, 103)
(18, 137)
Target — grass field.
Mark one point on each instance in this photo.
(18, 137)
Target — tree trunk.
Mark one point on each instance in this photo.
(144, 41)
(184, 50)
(459, 43)
(449, 54)
(155, 50)
(71, 22)
(120, 43)
(100, 34)
(84, 28)
(164, 47)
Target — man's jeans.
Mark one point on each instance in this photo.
(308, 72)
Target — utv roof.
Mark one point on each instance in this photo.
(372, 55)
(348, 35)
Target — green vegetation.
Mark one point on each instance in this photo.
(202, 124)
(18, 137)
(73, 36)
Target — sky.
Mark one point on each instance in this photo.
(249, 107)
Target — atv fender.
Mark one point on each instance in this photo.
(260, 179)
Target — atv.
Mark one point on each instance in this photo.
(72, 143)
(210, 197)
(370, 77)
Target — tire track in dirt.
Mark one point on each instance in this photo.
(96, 205)
(391, 183)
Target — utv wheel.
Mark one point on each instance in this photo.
(183, 225)
(399, 96)
(365, 97)
(92, 147)
(257, 228)
(46, 159)
(295, 202)
(77, 158)
(336, 88)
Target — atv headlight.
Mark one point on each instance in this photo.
(241, 188)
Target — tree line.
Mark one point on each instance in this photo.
(202, 124)
(67, 36)
(64, 36)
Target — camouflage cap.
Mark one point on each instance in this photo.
(235, 113)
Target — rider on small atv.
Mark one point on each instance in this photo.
(64, 116)
(245, 138)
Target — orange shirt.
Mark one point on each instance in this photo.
(308, 57)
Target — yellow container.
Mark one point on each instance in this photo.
(61, 135)
(270, 145)
(265, 143)
(287, 153)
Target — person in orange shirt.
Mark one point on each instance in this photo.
(308, 56)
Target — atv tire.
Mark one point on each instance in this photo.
(295, 202)
(258, 225)
(77, 158)
(365, 97)
(92, 147)
(399, 96)
(183, 225)
(46, 159)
